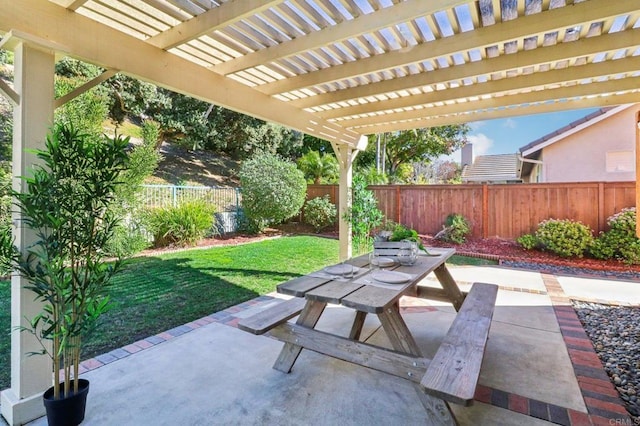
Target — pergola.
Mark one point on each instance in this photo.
(334, 69)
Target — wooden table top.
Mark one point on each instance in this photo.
(355, 292)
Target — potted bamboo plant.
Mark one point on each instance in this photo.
(67, 207)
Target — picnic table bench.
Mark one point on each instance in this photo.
(451, 376)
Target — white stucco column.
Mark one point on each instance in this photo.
(32, 118)
(345, 156)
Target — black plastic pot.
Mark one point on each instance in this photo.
(69, 410)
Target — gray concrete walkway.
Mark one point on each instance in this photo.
(219, 375)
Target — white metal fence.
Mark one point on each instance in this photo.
(226, 200)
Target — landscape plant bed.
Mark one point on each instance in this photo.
(509, 251)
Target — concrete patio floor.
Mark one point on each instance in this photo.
(539, 367)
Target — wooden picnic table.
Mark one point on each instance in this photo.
(451, 376)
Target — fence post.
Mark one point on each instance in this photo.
(174, 195)
(398, 204)
(601, 216)
(485, 211)
(237, 201)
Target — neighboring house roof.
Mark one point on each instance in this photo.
(493, 168)
(571, 128)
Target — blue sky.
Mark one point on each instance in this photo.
(507, 135)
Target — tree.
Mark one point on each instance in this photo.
(130, 97)
(87, 111)
(312, 143)
(131, 235)
(125, 96)
(318, 167)
(439, 171)
(425, 144)
(205, 126)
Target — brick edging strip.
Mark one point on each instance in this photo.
(600, 396)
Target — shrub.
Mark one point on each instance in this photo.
(455, 230)
(620, 241)
(624, 221)
(87, 111)
(131, 235)
(602, 247)
(631, 253)
(273, 189)
(527, 241)
(183, 225)
(320, 213)
(364, 214)
(150, 133)
(564, 237)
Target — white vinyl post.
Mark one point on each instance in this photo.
(32, 118)
(345, 155)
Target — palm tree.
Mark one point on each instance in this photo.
(317, 167)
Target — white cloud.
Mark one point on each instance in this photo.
(477, 125)
(481, 146)
(510, 123)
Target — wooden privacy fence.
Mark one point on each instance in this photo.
(505, 211)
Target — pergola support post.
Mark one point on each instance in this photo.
(345, 155)
(32, 118)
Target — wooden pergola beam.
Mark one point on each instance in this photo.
(86, 86)
(71, 4)
(9, 93)
(218, 17)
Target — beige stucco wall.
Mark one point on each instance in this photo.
(581, 157)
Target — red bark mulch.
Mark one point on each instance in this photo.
(501, 249)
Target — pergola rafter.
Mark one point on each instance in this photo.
(479, 39)
(511, 110)
(586, 48)
(497, 89)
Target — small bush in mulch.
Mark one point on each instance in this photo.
(564, 237)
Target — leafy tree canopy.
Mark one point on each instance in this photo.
(423, 144)
(205, 126)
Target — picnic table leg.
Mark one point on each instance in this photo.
(450, 286)
(358, 323)
(438, 411)
(397, 331)
(290, 352)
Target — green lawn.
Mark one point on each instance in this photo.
(154, 294)
(466, 260)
